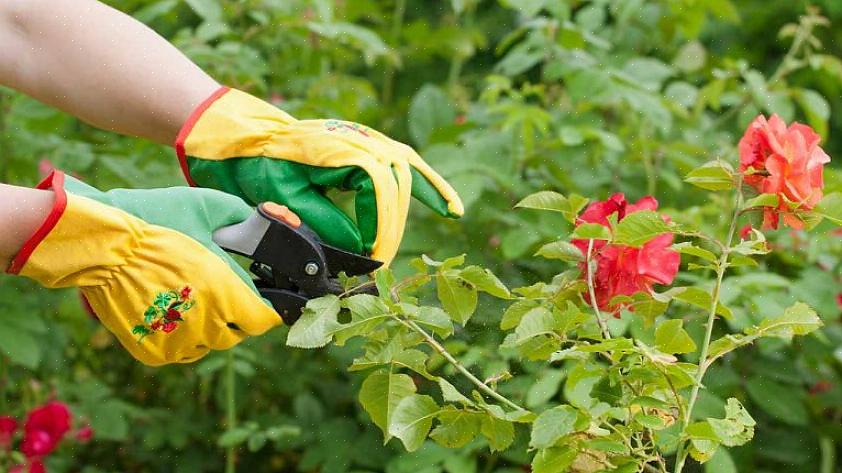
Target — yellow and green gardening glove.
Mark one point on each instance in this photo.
(242, 145)
(146, 263)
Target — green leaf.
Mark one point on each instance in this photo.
(430, 110)
(380, 395)
(815, 107)
(552, 425)
(367, 312)
(209, 10)
(737, 428)
(234, 437)
(317, 324)
(20, 347)
(484, 280)
(554, 202)
(762, 200)
(553, 460)
(670, 337)
(369, 43)
(799, 319)
(721, 462)
(561, 250)
(456, 427)
(413, 419)
(450, 394)
(700, 298)
(515, 312)
(452, 262)
(830, 207)
(457, 296)
(779, 401)
(688, 248)
(415, 360)
(538, 321)
(637, 228)
(592, 231)
(714, 175)
(544, 388)
(434, 319)
(499, 433)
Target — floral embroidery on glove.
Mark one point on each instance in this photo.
(165, 313)
(342, 126)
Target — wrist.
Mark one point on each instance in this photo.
(22, 212)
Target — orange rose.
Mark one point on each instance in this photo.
(787, 161)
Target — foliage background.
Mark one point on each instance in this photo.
(504, 98)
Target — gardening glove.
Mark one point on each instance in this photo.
(244, 146)
(146, 263)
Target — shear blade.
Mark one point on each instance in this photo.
(351, 263)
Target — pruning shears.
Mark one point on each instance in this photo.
(290, 262)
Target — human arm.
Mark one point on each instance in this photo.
(100, 65)
(22, 211)
(110, 70)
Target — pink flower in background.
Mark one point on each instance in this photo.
(44, 428)
(8, 427)
(626, 270)
(85, 434)
(787, 161)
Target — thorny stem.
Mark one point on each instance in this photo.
(456, 364)
(602, 325)
(722, 266)
(230, 410)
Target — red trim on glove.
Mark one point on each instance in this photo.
(188, 127)
(54, 181)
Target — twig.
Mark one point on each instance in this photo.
(681, 455)
(456, 364)
(602, 325)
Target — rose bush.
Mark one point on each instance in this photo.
(632, 400)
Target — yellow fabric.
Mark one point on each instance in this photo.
(121, 263)
(239, 125)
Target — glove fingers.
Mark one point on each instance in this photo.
(432, 179)
(323, 217)
(386, 220)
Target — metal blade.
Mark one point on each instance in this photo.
(351, 263)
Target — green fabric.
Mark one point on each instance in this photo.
(302, 188)
(196, 213)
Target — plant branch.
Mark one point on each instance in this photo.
(722, 266)
(602, 325)
(438, 347)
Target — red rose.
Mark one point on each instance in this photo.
(185, 293)
(156, 325)
(170, 326)
(173, 314)
(37, 443)
(85, 434)
(52, 418)
(625, 270)
(839, 300)
(37, 466)
(8, 427)
(786, 161)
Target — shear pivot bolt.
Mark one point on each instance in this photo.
(311, 269)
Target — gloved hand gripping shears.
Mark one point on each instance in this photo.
(291, 263)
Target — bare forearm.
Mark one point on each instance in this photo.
(22, 211)
(100, 65)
